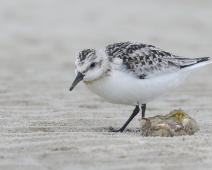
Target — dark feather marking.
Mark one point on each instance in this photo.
(142, 76)
(86, 53)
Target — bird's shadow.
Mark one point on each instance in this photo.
(114, 130)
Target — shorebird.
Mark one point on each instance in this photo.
(132, 73)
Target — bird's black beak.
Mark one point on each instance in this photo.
(77, 80)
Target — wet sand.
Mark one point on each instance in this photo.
(44, 126)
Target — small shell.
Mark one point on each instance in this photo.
(176, 123)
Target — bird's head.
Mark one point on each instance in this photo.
(90, 65)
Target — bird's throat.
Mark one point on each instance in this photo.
(92, 81)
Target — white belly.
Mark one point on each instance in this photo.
(120, 88)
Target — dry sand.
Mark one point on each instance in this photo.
(44, 126)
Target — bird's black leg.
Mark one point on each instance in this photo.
(143, 109)
(135, 112)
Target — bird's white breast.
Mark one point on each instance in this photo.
(122, 88)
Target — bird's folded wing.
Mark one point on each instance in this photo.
(147, 61)
(151, 62)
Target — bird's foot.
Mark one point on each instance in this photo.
(111, 129)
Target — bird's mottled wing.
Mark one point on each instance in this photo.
(146, 61)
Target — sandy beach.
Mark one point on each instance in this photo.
(44, 126)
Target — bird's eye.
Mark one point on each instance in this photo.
(92, 65)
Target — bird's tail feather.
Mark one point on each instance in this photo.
(202, 61)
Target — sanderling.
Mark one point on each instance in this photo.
(132, 73)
